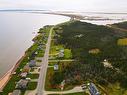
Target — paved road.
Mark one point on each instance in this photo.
(74, 90)
(68, 60)
(41, 80)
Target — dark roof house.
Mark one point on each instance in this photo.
(32, 63)
(22, 84)
(93, 89)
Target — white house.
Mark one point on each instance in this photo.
(56, 67)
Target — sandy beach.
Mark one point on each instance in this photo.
(5, 79)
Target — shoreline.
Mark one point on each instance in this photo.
(4, 79)
(7, 76)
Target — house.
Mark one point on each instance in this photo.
(62, 84)
(32, 63)
(29, 79)
(40, 47)
(16, 92)
(56, 67)
(107, 64)
(60, 54)
(93, 89)
(94, 51)
(36, 53)
(26, 68)
(22, 84)
(23, 74)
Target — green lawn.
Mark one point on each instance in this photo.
(40, 53)
(11, 85)
(55, 48)
(39, 60)
(115, 89)
(23, 92)
(49, 73)
(33, 76)
(32, 69)
(67, 54)
(32, 86)
(122, 42)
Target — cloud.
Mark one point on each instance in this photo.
(84, 5)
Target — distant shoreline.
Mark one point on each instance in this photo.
(72, 15)
(77, 16)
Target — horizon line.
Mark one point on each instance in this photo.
(69, 11)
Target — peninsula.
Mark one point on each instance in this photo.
(73, 58)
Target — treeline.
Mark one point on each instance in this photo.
(81, 38)
(121, 25)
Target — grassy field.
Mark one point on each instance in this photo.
(55, 48)
(67, 54)
(115, 89)
(32, 86)
(50, 73)
(40, 53)
(33, 76)
(122, 42)
(39, 60)
(32, 69)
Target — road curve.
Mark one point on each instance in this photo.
(74, 90)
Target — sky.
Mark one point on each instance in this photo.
(67, 5)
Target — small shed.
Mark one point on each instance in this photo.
(61, 55)
(56, 67)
